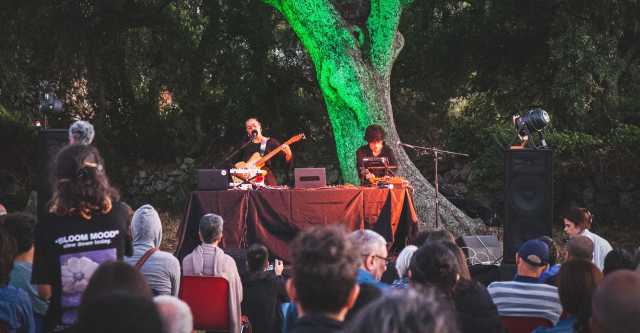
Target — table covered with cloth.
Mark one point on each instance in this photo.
(273, 217)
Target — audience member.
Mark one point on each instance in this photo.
(526, 296)
(209, 260)
(160, 268)
(323, 283)
(461, 260)
(119, 311)
(116, 275)
(406, 311)
(577, 281)
(402, 266)
(264, 291)
(420, 238)
(616, 303)
(81, 132)
(441, 235)
(373, 252)
(577, 221)
(16, 313)
(368, 293)
(554, 266)
(20, 227)
(3, 210)
(618, 259)
(580, 248)
(434, 264)
(175, 314)
(86, 226)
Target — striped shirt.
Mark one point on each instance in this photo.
(525, 298)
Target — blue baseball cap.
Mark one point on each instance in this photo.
(534, 252)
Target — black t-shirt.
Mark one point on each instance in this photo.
(68, 249)
(365, 151)
(272, 144)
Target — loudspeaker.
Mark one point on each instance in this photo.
(528, 191)
(50, 141)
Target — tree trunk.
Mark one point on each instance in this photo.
(353, 67)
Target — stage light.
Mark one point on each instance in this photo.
(534, 121)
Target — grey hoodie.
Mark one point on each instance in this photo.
(162, 269)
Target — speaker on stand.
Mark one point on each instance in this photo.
(50, 141)
(528, 190)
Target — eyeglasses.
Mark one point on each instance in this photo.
(385, 259)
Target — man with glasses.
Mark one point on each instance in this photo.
(373, 252)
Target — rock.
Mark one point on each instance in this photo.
(142, 174)
(175, 173)
(189, 161)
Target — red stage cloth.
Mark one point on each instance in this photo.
(273, 217)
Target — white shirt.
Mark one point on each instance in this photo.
(601, 248)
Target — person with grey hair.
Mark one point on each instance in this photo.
(161, 269)
(209, 260)
(580, 248)
(81, 132)
(175, 314)
(373, 251)
(402, 266)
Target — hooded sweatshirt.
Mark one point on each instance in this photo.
(162, 269)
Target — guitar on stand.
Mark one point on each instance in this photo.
(253, 170)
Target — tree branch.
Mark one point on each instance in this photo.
(318, 25)
(382, 24)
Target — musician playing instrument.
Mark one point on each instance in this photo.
(263, 145)
(375, 147)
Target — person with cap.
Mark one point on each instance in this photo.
(526, 296)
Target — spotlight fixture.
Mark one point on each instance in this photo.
(534, 121)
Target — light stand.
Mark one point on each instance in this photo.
(435, 152)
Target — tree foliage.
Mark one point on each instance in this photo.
(466, 67)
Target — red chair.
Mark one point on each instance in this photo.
(208, 298)
(523, 324)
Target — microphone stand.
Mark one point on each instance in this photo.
(435, 152)
(235, 151)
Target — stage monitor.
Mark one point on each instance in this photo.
(310, 177)
(213, 179)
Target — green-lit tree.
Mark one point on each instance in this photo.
(353, 45)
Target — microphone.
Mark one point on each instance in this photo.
(254, 133)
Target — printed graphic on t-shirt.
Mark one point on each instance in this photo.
(75, 271)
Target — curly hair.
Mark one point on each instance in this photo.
(81, 185)
(374, 133)
(325, 265)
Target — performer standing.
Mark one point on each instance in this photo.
(375, 147)
(263, 145)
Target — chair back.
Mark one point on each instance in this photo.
(523, 324)
(208, 298)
